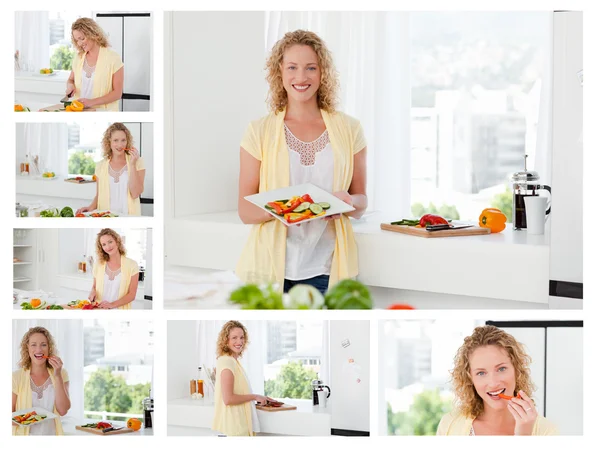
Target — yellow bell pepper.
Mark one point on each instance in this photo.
(492, 218)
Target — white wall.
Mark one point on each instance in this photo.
(349, 399)
(71, 244)
(181, 357)
(218, 88)
(566, 243)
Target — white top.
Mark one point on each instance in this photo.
(118, 183)
(255, 422)
(310, 246)
(87, 80)
(46, 391)
(111, 287)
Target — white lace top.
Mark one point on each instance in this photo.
(112, 282)
(87, 80)
(119, 185)
(310, 246)
(255, 422)
(43, 397)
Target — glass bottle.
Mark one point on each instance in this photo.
(200, 385)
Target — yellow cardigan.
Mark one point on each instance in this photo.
(129, 268)
(133, 204)
(456, 424)
(109, 62)
(22, 388)
(232, 420)
(263, 258)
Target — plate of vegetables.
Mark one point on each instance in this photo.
(299, 204)
(98, 214)
(31, 416)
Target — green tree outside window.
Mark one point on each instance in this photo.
(107, 392)
(423, 416)
(81, 164)
(504, 202)
(62, 58)
(293, 381)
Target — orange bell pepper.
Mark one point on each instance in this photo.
(492, 218)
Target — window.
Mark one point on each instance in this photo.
(61, 49)
(417, 382)
(294, 351)
(85, 148)
(476, 92)
(118, 368)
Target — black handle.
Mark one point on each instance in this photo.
(550, 191)
(328, 391)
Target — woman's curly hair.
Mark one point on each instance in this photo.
(25, 361)
(117, 126)
(91, 30)
(222, 340)
(102, 255)
(328, 89)
(468, 402)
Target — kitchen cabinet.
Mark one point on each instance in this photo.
(556, 349)
(38, 252)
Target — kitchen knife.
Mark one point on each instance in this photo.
(106, 430)
(445, 227)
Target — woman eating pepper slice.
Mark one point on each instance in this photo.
(303, 140)
(41, 382)
(491, 380)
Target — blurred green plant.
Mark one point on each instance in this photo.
(62, 58)
(504, 202)
(81, 164)
(293, 381)
(423, 416)
(446, 211)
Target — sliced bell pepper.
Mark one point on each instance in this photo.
(276, 207)
(293, 204)
(432, 219)
(297, 217)
(492, 218)
(307, 198)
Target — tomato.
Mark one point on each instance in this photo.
(400, 306)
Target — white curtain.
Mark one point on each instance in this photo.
(48, 142)
(68, 336)
(370, 51)
(32, 39)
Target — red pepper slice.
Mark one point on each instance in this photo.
(278, 209)
(432, 219)
(293, 205)
(307, 198)
(297, 217)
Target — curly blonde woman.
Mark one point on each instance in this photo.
(120, 175)
(41, 382)
(116, 277)
(235, 414)
(303, 140)
(493, 388)
(96, 77)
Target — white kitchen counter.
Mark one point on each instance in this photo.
(36, 91)
(307, 420)
(69, 429)
(511, 265)
(56, 187)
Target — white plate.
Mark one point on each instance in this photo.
(44, 74)
(40, 411)
(48, 178)
(316, 193)
(89, 214)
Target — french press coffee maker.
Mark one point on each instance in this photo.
(525, 184)
(318, 385)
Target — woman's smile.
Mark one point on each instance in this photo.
(494, 394)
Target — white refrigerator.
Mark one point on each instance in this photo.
(130, 35)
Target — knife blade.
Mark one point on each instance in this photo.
(444, 226)
(106, 430)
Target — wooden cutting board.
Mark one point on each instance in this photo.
(61, 107)
(80, 182)
(422, 232)
(283, 407)
(109, 433)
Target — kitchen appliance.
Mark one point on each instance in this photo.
(130, 35)
(319, 386)
(148, 406)
(525, 184)
(141, 274)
